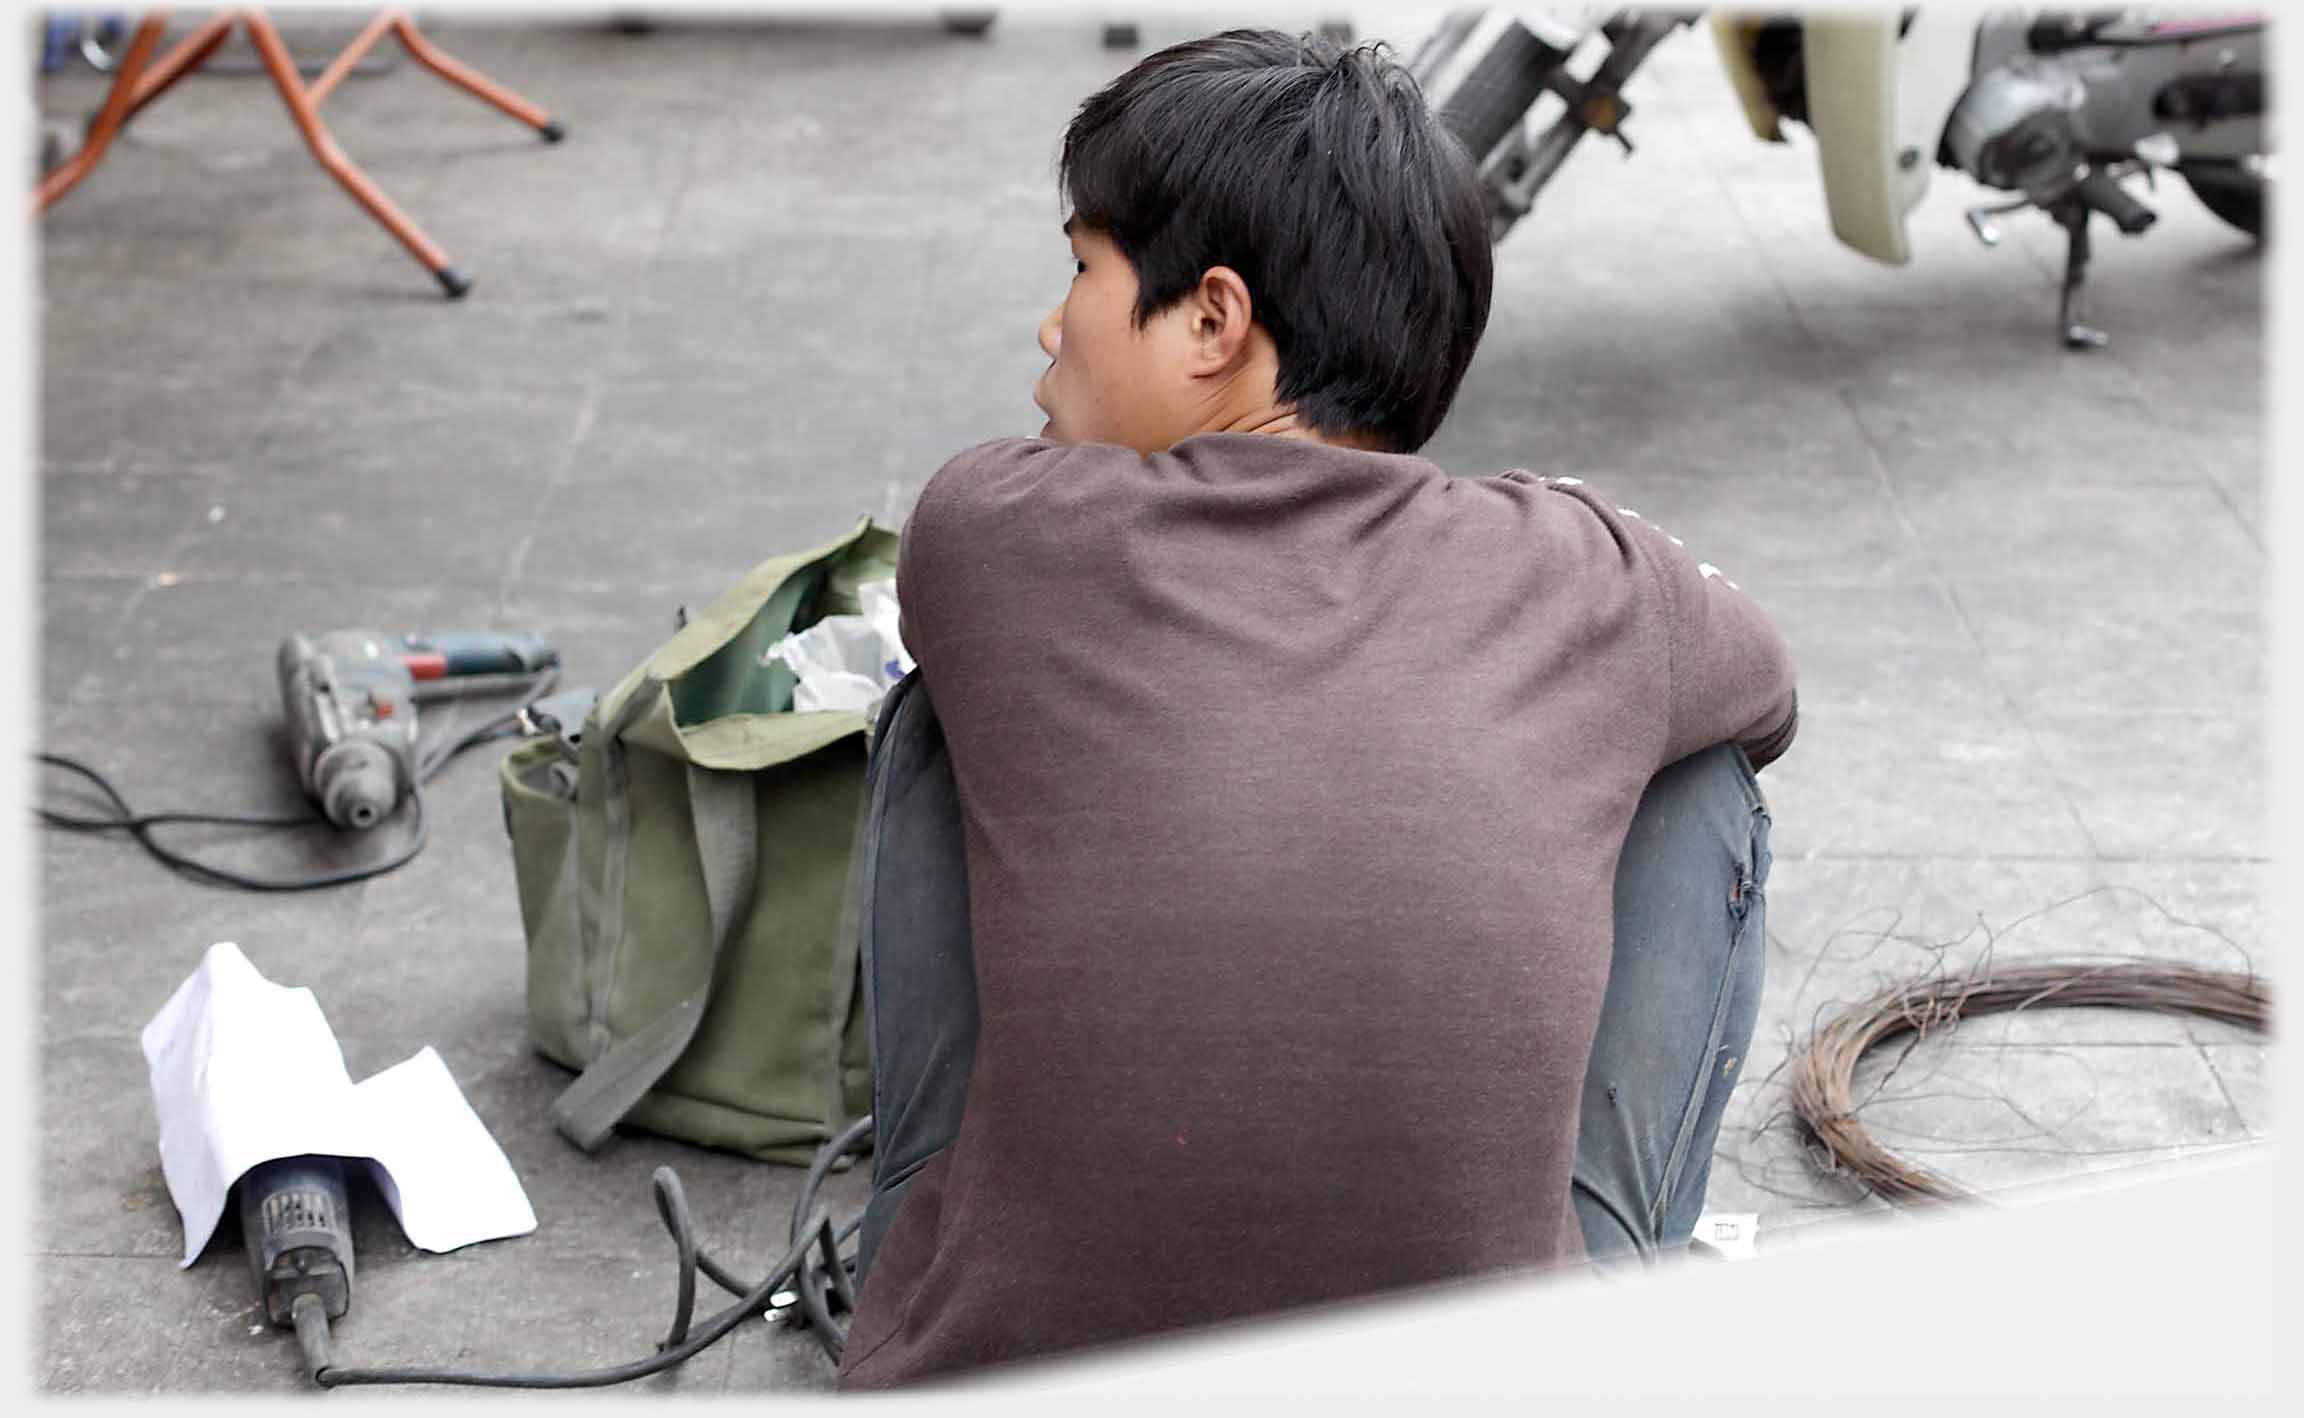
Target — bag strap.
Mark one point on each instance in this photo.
(723, 810)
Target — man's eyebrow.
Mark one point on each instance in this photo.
(1068, 224)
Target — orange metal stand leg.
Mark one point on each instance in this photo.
(274, 52)
(352, 55)
(140, 81)
(117, 105)
(463, 76)
(189, 54)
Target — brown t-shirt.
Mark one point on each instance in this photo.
(1293, 780)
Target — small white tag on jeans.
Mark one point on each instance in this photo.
(1729, 1233)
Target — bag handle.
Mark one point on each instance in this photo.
(724, 811)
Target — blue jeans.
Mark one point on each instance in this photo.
(1683, 992)
(1674, 1029)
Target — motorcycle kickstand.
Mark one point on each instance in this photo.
(2074, 215)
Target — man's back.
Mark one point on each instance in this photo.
(1293, 779)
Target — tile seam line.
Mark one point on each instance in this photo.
(645, 269)
(2207, 1061)
(1944, 586)
(1752, 238)
(587, 416)
(2231, 505)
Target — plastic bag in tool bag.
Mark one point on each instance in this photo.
(683, 866)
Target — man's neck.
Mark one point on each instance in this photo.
(1287, 423)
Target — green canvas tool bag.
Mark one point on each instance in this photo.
(683, 865)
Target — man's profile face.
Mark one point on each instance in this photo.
(1107, 380)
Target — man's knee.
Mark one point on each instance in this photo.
(1698, 816)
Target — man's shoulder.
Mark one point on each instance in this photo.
(1002, 457)
(1586, 515)
(1009, 475)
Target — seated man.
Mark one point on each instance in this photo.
(1362, 864)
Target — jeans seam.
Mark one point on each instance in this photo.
(1748, 886)
(1701, 1089)
(1750, 890)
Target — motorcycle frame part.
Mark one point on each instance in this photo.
(2073, 215)
(2092, 190)
(2133, 64)
(140, 80)
(2125, 82)
(1522, 164)
(1980, 219)
(1482, 70)
(2116, 120)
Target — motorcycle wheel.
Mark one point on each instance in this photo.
(2229, 189)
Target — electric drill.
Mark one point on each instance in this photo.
(351, 701)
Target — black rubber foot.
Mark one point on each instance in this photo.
(453, 281)
(1120, 37)
(554, 131)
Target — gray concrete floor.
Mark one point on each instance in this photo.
(778, 273)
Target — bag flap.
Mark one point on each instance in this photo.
(646, 706)
(741, 742)
(732, 611)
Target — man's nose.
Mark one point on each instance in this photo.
(1052, 331)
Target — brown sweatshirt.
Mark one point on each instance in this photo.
(1293, 781)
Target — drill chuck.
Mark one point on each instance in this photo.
(358, 782)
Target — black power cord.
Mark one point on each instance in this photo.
(429, 763)
(819, 1286)
(813, 1262)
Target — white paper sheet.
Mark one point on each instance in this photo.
(244, 1071)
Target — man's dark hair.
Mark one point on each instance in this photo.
(1320, 175)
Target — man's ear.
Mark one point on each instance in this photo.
(1221, 317)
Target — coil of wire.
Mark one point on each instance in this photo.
(1821, 1078)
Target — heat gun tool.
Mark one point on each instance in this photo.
(296, 1218)
(351, 699)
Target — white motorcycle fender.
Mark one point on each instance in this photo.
(1878, 105)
